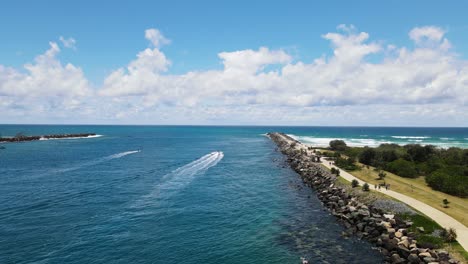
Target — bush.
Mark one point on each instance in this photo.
(382, 175)
(449, 234)
(354, 183)
(446, 202)
(347, 164)
(367, 156)
(365, 187)
(452, 184)
(402, 168)
(338, 145)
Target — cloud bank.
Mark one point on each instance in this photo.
(426, 84)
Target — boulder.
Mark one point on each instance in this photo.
(425, 255)
(429, 259)
(389, 216)
(398, 234)
(395, 258)
(413, 258)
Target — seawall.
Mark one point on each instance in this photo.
(389, 233)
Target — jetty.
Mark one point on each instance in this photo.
(22, 138)
(387, 231)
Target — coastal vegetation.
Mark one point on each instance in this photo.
(444, 170)
(400, 232)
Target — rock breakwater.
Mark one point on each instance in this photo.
(385, 230)
(21, 138)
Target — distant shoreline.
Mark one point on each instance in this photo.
(22, 138)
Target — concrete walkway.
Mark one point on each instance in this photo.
(440, 217)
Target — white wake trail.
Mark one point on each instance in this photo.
(97, 161)
(178, 179)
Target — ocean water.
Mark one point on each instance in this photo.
(162, 194)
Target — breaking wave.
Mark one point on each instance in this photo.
(410, 137)
(94, 136)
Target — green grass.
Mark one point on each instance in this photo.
(419, 220)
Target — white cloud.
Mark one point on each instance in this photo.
(68, 43)
(429, 33)
(407, 86)
(156, 37)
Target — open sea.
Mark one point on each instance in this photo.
(175, 194)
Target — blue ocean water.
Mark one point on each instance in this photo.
(163, 194)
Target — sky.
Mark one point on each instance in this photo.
(307, 63)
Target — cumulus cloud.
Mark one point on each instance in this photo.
(421, 83)
(47, 76)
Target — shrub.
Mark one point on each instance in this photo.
(338, 145)
(452, 184)
(446, 202)
(382, 175)
(354, 183)
(402, 168)
(365, 187)
(449, 234)
(347, 164)
(367, 156)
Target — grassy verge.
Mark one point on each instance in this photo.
(426, 238)
(418, 189)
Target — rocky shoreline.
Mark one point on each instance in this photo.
(389, 233)
(22, 138)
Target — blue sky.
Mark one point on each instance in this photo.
(109, 34)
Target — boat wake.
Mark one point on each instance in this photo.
(97, 161)
(178, 179)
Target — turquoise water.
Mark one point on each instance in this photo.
(148, 194)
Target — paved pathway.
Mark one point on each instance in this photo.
(440, 217)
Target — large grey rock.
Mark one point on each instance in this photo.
(413, 258)
(395, 258)
(425, 254)
(429, 259)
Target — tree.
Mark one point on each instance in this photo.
(382, 175)
(365, 187)
(367, 156)
(402, 168)
(354, 183)
(338, 145)
(446, 202)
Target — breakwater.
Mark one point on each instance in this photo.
(21, 138)
(384, 229)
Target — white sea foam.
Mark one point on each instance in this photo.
(325, 141)
(93, 136)
(370, 142)
(411, 137)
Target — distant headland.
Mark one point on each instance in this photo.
(21, 138)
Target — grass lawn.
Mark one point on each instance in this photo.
(454, 248)
(418, 189)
